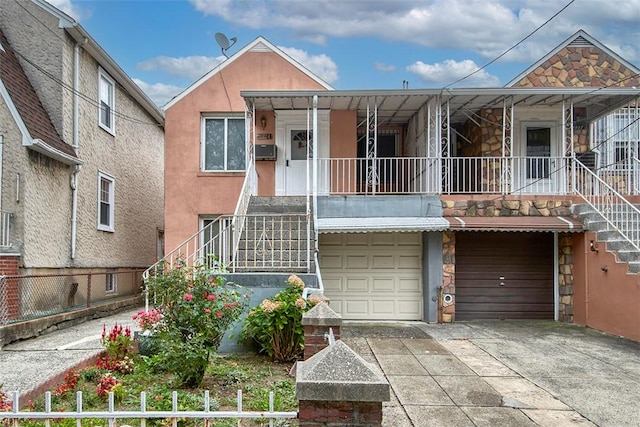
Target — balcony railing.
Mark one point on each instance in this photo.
(450, 175)
(5, 229)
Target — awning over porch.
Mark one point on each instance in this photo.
(381, 224)
(516, 223)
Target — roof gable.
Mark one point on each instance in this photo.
(260, 44)
(29, 113)
(586, 62)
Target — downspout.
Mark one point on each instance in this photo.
(76, 139)
(1, 160)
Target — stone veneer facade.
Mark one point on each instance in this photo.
(497, 208)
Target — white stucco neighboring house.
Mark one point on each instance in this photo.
(81, 153)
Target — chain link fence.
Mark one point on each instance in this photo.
(30, 297)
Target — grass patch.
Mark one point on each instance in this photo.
(255, 375)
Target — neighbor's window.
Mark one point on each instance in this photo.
(107, 100)
(223, 144)
(111, 283)
(106, 187)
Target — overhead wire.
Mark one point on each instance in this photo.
(94, 102)
(514, 46)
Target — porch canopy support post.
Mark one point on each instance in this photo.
(445, 147)
(567, 138)
(313, 153)
(372, 144)
(507, 145)
(433, 144)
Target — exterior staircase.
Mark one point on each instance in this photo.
(276, 235)
(615, 242)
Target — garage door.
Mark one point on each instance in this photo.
(373, 275)
(504, 275)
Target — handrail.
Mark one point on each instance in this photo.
(618, 212)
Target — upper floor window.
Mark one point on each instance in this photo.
(617, 138)
(107, 101)
(106, 201)
(223, 144)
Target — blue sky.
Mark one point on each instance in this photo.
(165, 45)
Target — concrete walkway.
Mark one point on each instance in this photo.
(490, 373)
(502, 373)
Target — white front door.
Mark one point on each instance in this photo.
(294, 140)
(299, 146)
(538, 168)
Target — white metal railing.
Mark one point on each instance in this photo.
(5, 229)
(448, 175)
(393, 175)
(624, 175)
(260, 242)
(619, 213)
(272, 242)
(111, 415)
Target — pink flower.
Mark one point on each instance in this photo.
(188, 297)
(211, 297)
(219, 314)
(207, 311)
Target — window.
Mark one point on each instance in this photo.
(617, 138)
(111, 283)
(106, 187)
(223, 147)
(107, 102)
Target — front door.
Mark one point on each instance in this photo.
(294, 140)
(539, 166)
(299, 146)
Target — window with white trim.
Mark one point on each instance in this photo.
(617, 138)
(223, 144)
(107, 101)
(111, 282)
(106, 202)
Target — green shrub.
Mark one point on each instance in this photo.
(197, 308)
(276, 324)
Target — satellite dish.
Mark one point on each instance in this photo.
(224, 44)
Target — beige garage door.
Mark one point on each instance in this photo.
(373, 275)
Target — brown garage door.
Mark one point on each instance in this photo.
(504, 275)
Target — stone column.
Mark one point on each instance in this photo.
(317, 322)
(337, 387)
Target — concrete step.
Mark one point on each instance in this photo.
(279, 204)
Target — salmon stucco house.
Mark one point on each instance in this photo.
(514, 202)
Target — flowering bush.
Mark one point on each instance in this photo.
(147, 320)
(69, 384)
(276, 324)
(197, 307)
(109, 383)
(117, 342)
(5, 403)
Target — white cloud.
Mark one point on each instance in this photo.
(486, 27)
(449, 71)
(387, 68)
(321, 65)
(69, 8)
(159, 93)
(191, 67)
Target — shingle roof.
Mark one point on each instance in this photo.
(26, 101)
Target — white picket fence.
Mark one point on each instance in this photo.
(111, 415)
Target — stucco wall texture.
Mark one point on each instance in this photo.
(190, 192)
(134, 157)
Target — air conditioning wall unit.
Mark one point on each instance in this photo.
(265, 151)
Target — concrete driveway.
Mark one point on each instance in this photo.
(490, 373)
(502, 373)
